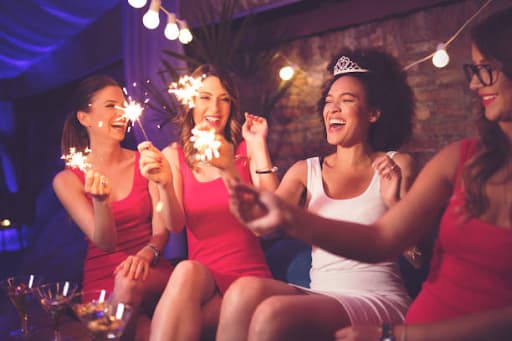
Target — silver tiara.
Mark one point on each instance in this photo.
(345, 65)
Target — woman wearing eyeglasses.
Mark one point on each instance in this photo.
(465, 191)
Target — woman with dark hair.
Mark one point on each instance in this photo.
(220, 249)
(465, 191)
(110, 201)
(367, 108)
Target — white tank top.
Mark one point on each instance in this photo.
(330, 272)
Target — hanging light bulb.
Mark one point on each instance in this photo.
(137, 3)
(440, 58)
(172, 31)
(286, 73)
(185, 34)
(151, 19)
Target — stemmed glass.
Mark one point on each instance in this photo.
(55, 298)
(19, 289)
(104, 317)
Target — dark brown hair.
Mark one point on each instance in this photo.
(74, 133)
(492, 37)
(233, 129)
(386, 89)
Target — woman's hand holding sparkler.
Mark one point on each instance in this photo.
(153, 164)
(97, 185)
(261, 211)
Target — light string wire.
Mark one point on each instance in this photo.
(449, 41)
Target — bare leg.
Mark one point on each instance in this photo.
(142, 296)
(241, 300)
(305, 317)
(178, 314)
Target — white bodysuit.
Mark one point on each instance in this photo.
(370, 293)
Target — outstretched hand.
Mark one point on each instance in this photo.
(261, 211)
(153, 165)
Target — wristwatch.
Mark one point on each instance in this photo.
(387, 333)
(156, 254)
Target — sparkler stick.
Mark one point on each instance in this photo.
(77, 159)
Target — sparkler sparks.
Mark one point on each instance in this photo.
(206, 144)
(77, 159)
(132, 112)
(186, 89)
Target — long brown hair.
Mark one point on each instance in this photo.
(233, 129)
(74, 134)
(492, 38)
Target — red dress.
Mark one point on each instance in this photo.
(215, 237)
(132, 215)
(471, 269)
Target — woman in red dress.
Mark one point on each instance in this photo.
(220, 249)
(110, 201)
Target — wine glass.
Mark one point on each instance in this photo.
(19, 289)
(104, 317)
(55, 298)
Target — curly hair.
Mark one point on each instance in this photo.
(233, 129)
(492, 38)
(387, 90)
(74, 134)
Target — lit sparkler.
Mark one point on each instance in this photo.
(185, 89)
(206, 143)
(77, 159)
(132, 112)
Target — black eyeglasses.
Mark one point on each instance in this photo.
(484, 73)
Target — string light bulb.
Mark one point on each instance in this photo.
(185, 36)
(286, 72)
(172, 31)
(440, 58)
(137, 3)
(151, 19)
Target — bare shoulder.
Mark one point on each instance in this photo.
(404, 160)
(297, 171)
(65, 179)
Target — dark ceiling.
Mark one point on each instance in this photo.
(42, 42)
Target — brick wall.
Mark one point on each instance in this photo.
(445, 106)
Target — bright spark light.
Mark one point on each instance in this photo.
(206, 144)
(132, 112)
(77, 159)
(186, 89)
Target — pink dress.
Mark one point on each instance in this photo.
(132, 215)
(471, 269)
(215, 237)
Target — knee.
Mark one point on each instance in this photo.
(244, 292)
(128, 290)
(264, 324)
(189, 277)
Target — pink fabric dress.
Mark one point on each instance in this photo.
(215, 237)
(471, 269)
(132, 215)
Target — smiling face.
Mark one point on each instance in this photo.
(212, 105)
(346, 113)
(497, 97)
(104, 118)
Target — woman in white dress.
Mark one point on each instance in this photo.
(367, 108)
